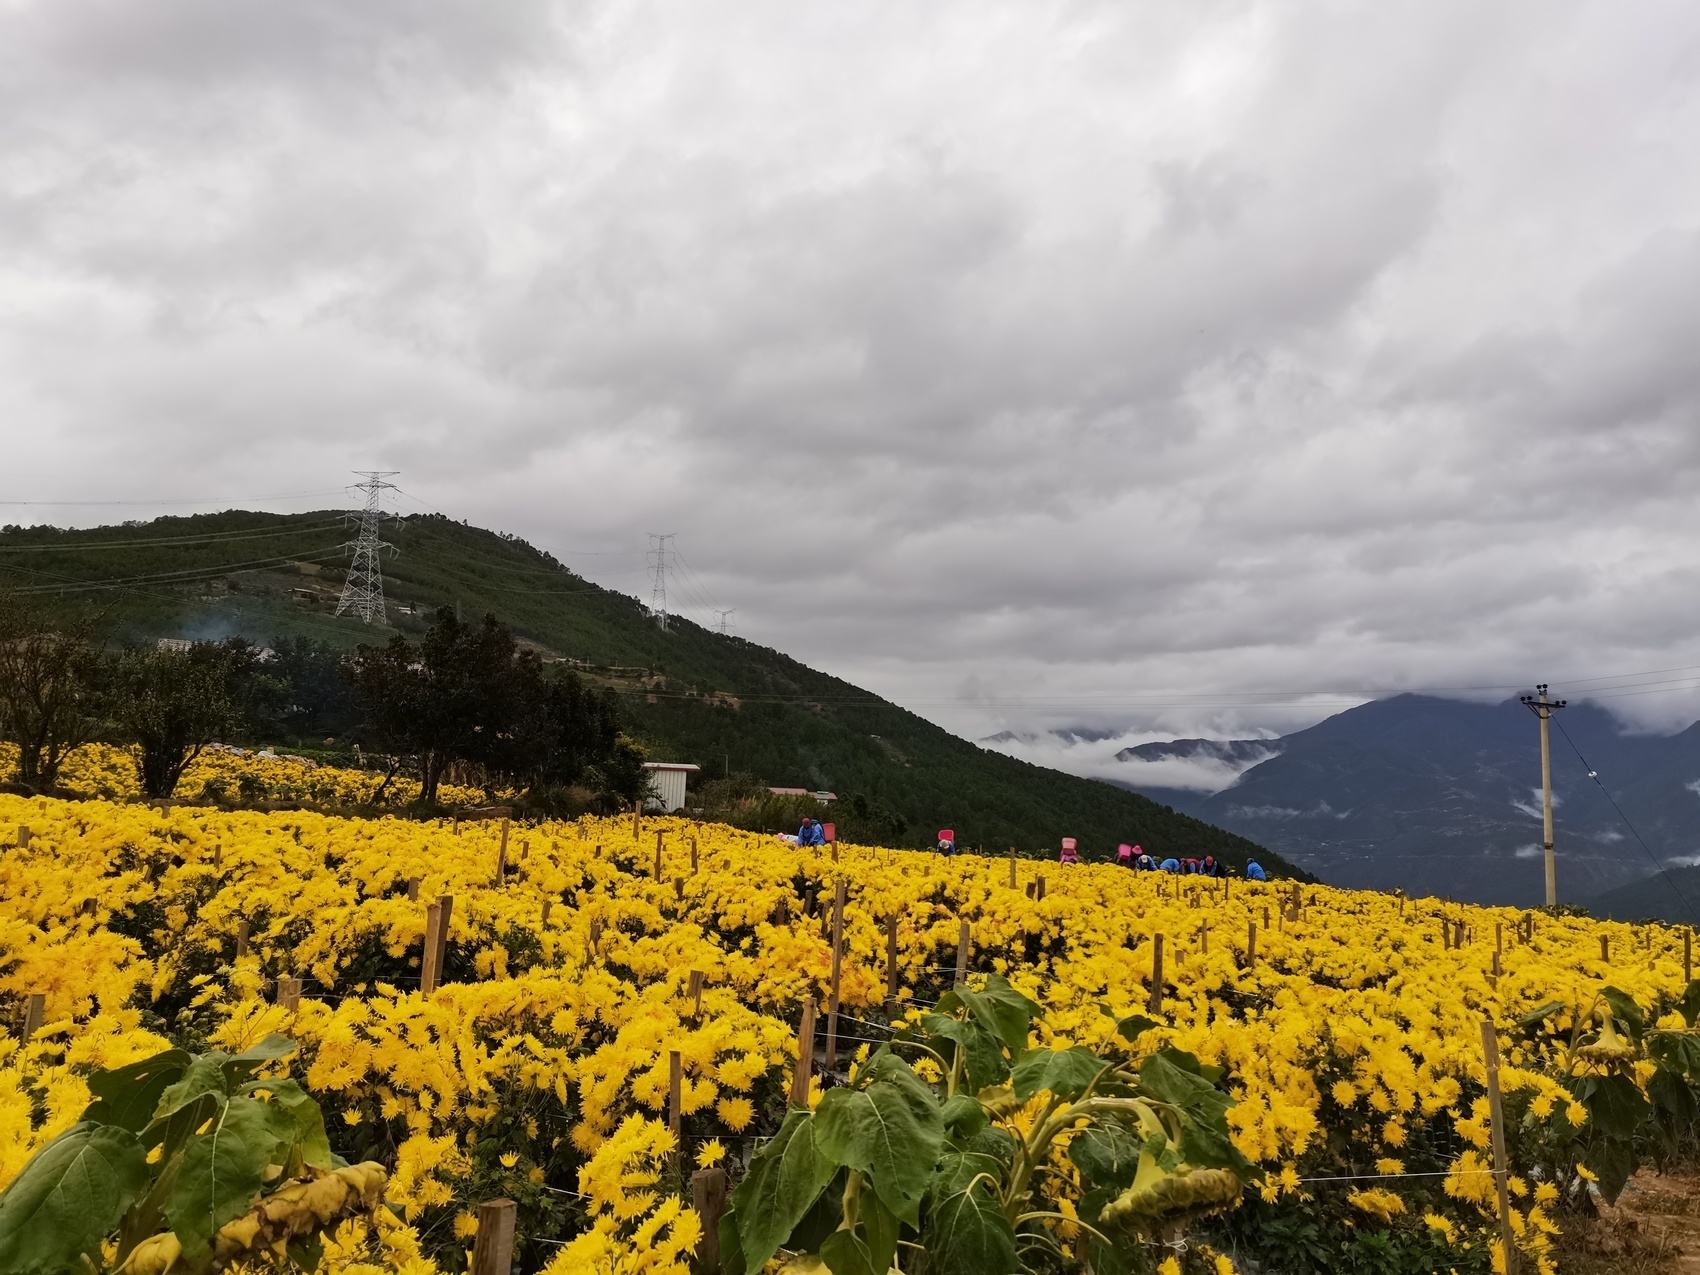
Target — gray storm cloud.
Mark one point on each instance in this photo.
(1166, 369)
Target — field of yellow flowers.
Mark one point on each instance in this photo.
(540, 1069)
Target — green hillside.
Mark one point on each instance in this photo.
(691, 695)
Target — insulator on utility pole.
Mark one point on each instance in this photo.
(363, 590)
(1543, 708)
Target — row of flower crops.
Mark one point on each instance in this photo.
(540, 1069)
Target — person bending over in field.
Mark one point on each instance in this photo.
(1254, 871)
(1171, 865)
(1124, 855)
(1145, 863)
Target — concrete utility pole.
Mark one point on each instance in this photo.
(1544, 708)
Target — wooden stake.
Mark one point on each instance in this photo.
(502, 855)
(679, 889)
(1204, 939)
(805, 1055)
(1687, 957)
(1039, 887)
(1155, 1003)
(962, 951)
(89, 906)
(289, 994)
(694, 991)
(1605, 949)
(23, 836)
(1498, 940)
(547, 905)
(1490, 1055)
(35, 1010)
(493, 1250)
(436, 943)
(837, 971)
(413, 889)
(637, 819)
(675, 1084)
(241, 939)
(891, 964)
(708, 1198)
(1012, 867)
(693, 873)
(1250, 944)
(658, 854)
(1265, 916)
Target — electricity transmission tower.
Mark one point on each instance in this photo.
(363, 591)
(1544, 708)
(723, 621)
(658, 595)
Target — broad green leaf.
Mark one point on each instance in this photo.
(957, 1170)
(1540, 1013)
(983, 1056)
(223, 1169)
(250, 1060)
(1677, 1052)
(869, 1249)
(1107, 1154)
(892, 1131)
(1066, 1073)
(128, 1096)
(1615, 1106)
(204, 1077)
(731, 1251)
(785, 1178)
(69, 1196)
(309, 1120)
(1625, 1010)
(1690, 1002)
(1613, 1160)
(1000, 1009)
(967, 1234)
(1205, 1142)
(963, 1116)
(1674, 1107)
(994, 1143)
(1134, 1026)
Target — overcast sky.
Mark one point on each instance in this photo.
(1146, 367)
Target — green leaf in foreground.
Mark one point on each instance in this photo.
(128, 1096)
(223, 1169)
(892, 1131)
(1066, 1072)
(785, 1179)
(69, 1197)
(968, 1234)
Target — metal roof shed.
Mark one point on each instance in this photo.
(667, 784)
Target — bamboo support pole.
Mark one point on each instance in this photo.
(1605, 949)
(675, 1089)
(241, 939)
(502, 855)
(694, 991)
(891, 964)
(1496, 1114)
(1687, 957)
(35, 1012)
(1250, 944)
(694, 860)
(1155, 1003)
(708, 1198)
(1012, 867)
(547, 905)
(657, 873)
(413, 889)
(837, 976)
(962, 951)
(805, 1055)
(493, 1250)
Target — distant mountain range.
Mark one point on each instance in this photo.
(1442, 798)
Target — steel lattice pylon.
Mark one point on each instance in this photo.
(363, 591)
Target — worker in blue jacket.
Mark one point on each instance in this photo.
(1171, 865)
(1254, 871)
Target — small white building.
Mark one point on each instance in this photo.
(667, 784)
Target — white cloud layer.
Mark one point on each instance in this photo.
(1171, 369)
